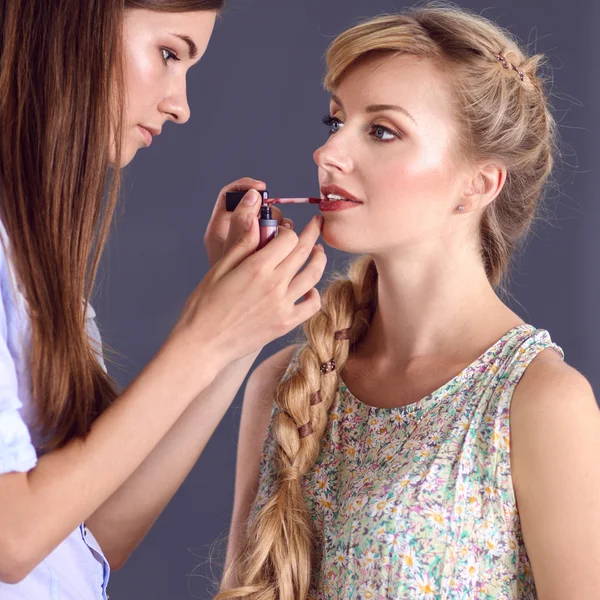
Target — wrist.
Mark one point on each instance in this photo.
(194, 360)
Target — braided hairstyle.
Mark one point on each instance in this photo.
(503, 114)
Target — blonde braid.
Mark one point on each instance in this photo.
(276, 560)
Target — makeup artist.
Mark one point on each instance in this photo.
(79, 459)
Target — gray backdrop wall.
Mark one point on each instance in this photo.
(257, 104)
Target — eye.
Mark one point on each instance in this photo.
(333, 123)
(382, 134)
(168, 55)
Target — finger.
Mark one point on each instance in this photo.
(306, 309)
(249, 207)
(299, 255)
(312, 273)
(283, 221)
(278, 249)
(243, 248)
(276, 213)
(218, 225)
(245, 183)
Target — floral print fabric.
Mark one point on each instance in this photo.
(417, 502)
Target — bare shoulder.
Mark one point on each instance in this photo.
(259, 393)
(552, 401)
(263, 380)
(259, 397)
(551, 385)
(554, 423)
(554, 450)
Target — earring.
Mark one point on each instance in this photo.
(461, 208)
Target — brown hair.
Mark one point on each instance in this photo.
(503, 115)
(61, 103)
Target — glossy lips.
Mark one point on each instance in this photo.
(336, 199)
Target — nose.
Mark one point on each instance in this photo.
(175, 105)
(332, 156)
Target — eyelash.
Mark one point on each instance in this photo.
(330, 121)
(172, 55)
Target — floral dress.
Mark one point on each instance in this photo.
(417, 502)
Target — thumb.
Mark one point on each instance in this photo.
(245, 245)
(249, 205)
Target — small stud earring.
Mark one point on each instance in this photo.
(461, 208)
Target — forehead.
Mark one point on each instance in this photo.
(198, 25)
(416, 84)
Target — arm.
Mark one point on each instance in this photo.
(256, 412)
(37, 511)
(555, 448)
(236, 309)
(123, 520)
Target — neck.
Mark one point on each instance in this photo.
(428, 302)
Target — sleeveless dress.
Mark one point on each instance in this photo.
(417, 502)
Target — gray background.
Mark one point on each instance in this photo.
(257, 104)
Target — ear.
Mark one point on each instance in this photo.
(486, 185)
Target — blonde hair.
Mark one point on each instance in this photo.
(503, 114)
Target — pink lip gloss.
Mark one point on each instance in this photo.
(308, 200)
(268, 226)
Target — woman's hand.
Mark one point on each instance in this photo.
(225, 225)
(249, 297)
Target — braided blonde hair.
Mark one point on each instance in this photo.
(503, 113)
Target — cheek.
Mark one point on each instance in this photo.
(414, 179)
(142, 77)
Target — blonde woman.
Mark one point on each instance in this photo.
(426, 442)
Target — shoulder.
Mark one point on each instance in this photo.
(554, 450)
(551, 385)
(259, 394)
(555, 420)
(264, 379)
(257, 409)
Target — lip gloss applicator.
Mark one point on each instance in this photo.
(232, 199)
(267, 224)
(308, 200)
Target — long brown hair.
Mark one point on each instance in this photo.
(502, 112)
(61, 104)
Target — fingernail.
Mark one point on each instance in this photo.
(287, 225)
(251, 198)
(320, 247)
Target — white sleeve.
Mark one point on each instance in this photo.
(16, 449)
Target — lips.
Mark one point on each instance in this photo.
(145, 134)
(148, 133)
(342, 194)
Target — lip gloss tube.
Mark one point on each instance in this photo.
(268, 226)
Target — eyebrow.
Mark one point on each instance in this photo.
(379, 108)
(193, 49)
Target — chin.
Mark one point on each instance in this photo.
(126, 157)
(128, 152)
(125, 160)
(343, 239)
